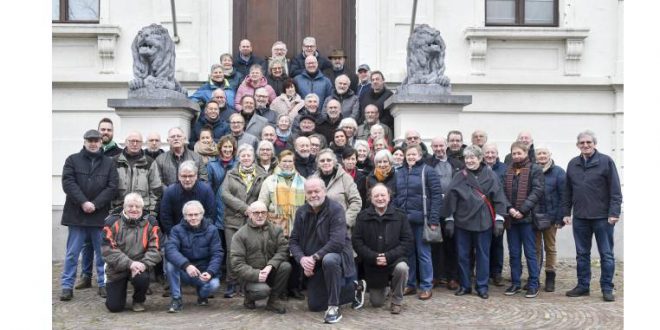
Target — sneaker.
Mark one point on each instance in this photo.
(608, 296)
(138, 307)
(513, 289)
(332, 315)
(202, 301)
(360, 289)
(84, 282)
(532, 293)
(102, 292)
(67, 294)
(577, 292)
(176, 305)
(395, 309)
(249, 304)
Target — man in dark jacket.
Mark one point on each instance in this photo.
(89, 181)
(455, 146)
(131, 243)
(304, 161)
(593, 193)
(259, 254)
(262, 109)
(330, 121)
(377, 96)
(364, 84)
(153, 148)
(497, 244)
(211, 117)
(246, 58)
(308, 48)
(312, 80)
(338, 60)
(350, 103)
(194, 254)
(383, 240)
(320, 244)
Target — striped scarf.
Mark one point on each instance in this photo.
(289, 195)
(522, 170)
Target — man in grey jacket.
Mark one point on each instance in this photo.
(168, 163)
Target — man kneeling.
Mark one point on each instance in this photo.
(193, 253)
(383, 239)
(259, 252)
(320, 245)
(130, 247)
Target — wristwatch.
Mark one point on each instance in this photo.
(316, 257)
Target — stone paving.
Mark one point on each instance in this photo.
(444, 310)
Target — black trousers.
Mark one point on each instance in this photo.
(116, 290)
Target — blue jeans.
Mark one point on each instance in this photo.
(479, 241)
(87, 259)
(521, 236)
(583, 231)
(422, 254)
(74, 244)
(177, 276)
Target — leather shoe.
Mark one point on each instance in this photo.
(452, 285)
(462, 291)
(408, 291)
(577, 292)
(483, 295)
(498, 281)
(608, 296)
(425, 295)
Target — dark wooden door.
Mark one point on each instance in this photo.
(331, 22)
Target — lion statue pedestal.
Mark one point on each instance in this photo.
(425, 94)
(156, 100)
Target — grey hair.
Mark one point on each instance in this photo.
(362, 143)
(216, 66)
(312, 95)
(265, 143)
(474, 150)
(384, 154)
(309, 40)
(348, 122)
(191, 204)
(133, 197)
(188, 165)
(245, 147)
(377, 126)
(326, 151)
(274, 61)
(587, 133)
(489, 144)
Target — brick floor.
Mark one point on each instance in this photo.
(548, 310)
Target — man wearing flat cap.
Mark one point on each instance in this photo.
(338, 59)
(89, 180)
(364, 83)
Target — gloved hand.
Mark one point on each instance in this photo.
(499, 228)
(449, 229)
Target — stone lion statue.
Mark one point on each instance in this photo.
(153, 63)
(426, 57)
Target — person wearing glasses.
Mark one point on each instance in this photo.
(254, 80)
(259, 257)
(413, 138)
(308, 48)
(276, 74)
(237, 130)
(168, 163)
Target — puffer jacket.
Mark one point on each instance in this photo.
(343, 190)
(253, 248)
(195, 246)
(168, 166)
(350, 104)
(534, 194)
(205, 93)
(555, 179)
(125, 241)
(408, 196)
(142, 178)
(248, 88)
(175, 197)
(297, 65)
(237, 198)
(319, 85)
(89, 177)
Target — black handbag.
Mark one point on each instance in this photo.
(429, 235)
(541, 221)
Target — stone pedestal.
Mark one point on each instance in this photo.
(154, 115)
(425, 108)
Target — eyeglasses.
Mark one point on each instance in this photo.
(586, 142)
(134, 141)
(187, 176)
(277, 69)
(309, 46)
(412, 138)
(176, 137)
(261, 96)
(153, 140)
(325, 160)
(236, 122)
(260, 213)
(316, 144)
(193, 214)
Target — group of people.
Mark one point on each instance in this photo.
(290, 185)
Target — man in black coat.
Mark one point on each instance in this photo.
(308, 48)
(320, 244)
(246, 58)
(383, 239)
(377, 96)
(338, 60)
(89, 180)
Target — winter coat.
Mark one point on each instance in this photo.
(271, 168)
(330, 233)
(297, 65)
(199, 246)
(531, 154)
(220, 129)
(377, 99)
(350, 104)
(168, 166)
(112, 149)
(269, 114)
(592, 190)
(248, 88)
(409, 193)
(283, 106)
(125, 241)
(466, 208)
(327, 128)
(389, 234)
(216, 176)
(255, 125)
(88, 177)
(243, 66)
(235, 79)
(295, 125)
(247, 138)
(500, 170)
(237, 198)
(555, 181)
(332, 75)
(343, 190)
(253, 248)
(370, 181)
(142, 178)
(304, 166)
(534, 194)
(204, 93)
(277, 83)
(174, 197)
(364, 131)
(319, 85)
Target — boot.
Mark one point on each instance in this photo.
(550, 281)
(84, 282)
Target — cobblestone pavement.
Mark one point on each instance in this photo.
(548, 310)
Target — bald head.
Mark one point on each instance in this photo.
(525, 138)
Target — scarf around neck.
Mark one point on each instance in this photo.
(522, 170)
(288, 196)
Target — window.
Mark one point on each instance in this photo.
(76, 11)
(522, 12)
